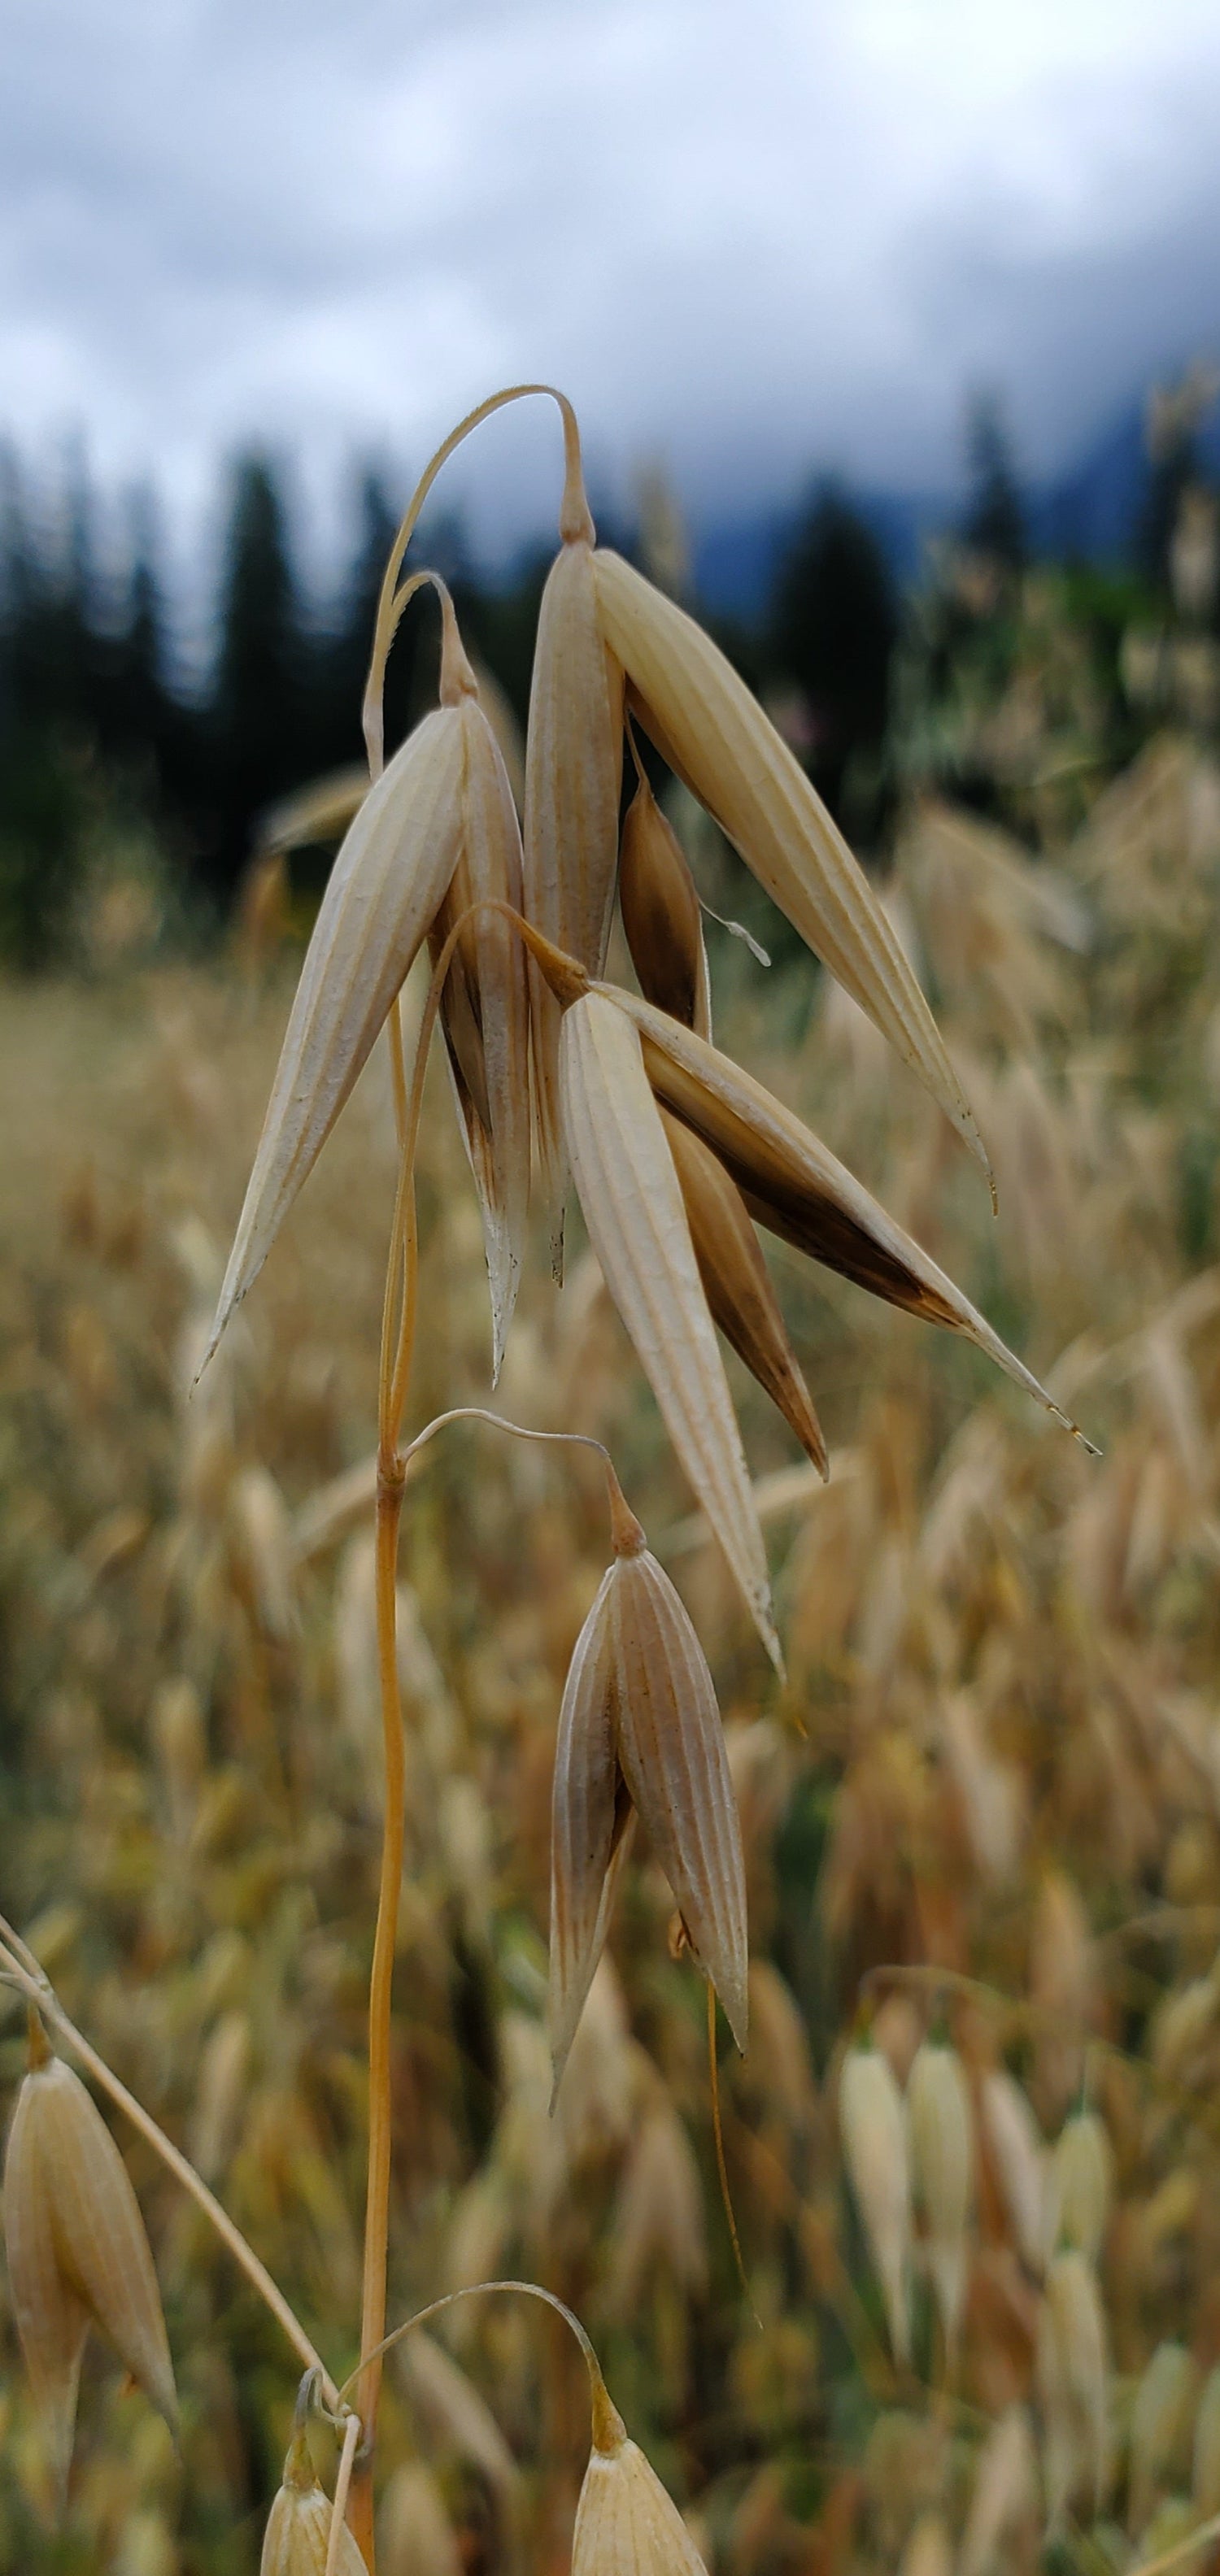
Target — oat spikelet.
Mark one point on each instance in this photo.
(942, 2170)
(634, 1211)
(1205, 2467)
(661, 915)
(1073, 2376)
(573, 776)
(589, 1810)
(737, 1283)
(705, 722)
(673, 1758)
(1080, 2186)
(1161, 2422)
(485, 1013)
(640, 1733)
(77, 2250)
(793, 1184)
(1005, 2493)
(298, 2526)
(876, 2151)
(383, 893)
(626, 2524)
(1019, 2155)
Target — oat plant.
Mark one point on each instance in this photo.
(676, 1154)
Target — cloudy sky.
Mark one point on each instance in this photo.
(748, 236)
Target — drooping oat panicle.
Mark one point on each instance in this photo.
(485, 1011)
(942, 2171)
(626, 2523)
(640, 1733)
(706, 724)
(297, 2536)
(737, 1283)
(795, 1186)
(77, 2250)
(876, 2151)
(573, 779)
(661, 914)
(634, 1210)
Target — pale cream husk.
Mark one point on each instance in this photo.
(942, 2170)
(717, 738)
(573, 774)
(639, 1717)
(68, 2197)
(636, 1217)
(876, 2151)
(384, 891)
(297, 2536)
(626, 2524)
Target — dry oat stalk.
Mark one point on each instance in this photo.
(873, 2126)
(77, 2251)
(626, 2524)
(640, 1732)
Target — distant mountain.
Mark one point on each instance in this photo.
(1091, 512)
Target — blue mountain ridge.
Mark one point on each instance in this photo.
(1090, 513)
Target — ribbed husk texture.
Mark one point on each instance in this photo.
(634, 1210)
(298, 2526)
(639, 1730)
(626, 2524)
(714, 734)
(573, 777)
(77, 2252)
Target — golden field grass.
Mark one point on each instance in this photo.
(988, 1795)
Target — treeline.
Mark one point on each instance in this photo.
(101, 722)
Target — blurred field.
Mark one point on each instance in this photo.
(998, 1754)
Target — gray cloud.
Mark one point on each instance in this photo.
(749, 239)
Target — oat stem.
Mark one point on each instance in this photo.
(604, 2414)
(22, 1967)
(574, 521)
(398, 1318)
(351, 2432)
